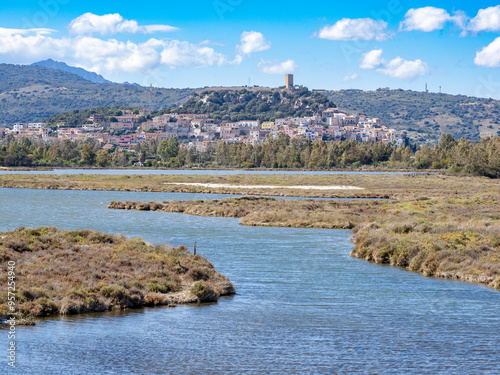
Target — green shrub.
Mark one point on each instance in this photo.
(204, 292)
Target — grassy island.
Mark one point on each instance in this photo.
(71, 272)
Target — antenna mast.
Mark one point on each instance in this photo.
(151, 96)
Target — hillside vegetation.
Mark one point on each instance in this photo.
(263, 105)
(33, 93)
(425, 116)
(463, 157)
(79, 117)
(89, 76)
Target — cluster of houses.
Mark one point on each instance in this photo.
(201, 130)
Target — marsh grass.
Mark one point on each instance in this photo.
(448, 237)
(416, 229)
(410, 186)
(71, 272)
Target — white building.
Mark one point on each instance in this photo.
(36, 125)
(249, 123)
(18, 126)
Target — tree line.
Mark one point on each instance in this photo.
(457, 156)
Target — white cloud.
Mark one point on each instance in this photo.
(355, 29)
(486, 20)
(489, 56)
(7, 32)
(107, 55)
(404, 69)
(252, 42)
(350, 77)
(89, 23)
(272, 67)
(112, 55)
(397, 68)
(183, 54)
(372, 59)
(425, 19)
(28, 45)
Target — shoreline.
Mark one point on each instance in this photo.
(373, 186)
(215, 168)
(228, 186)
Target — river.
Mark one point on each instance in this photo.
(304, 306)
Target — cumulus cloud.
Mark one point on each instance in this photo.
(273, 67)
(372, 59)
(425, 19)
(489, 56)
(108, 24)
(112, 55)
(397, 68)
(486, 20)
(178, 54)
(355, 29)
(404, 69)
(27, 45)
(252, 42)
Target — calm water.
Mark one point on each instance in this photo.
(303, 305)
(188, 172)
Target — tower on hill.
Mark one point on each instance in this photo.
(289, 81)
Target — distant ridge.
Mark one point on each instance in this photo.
(33, 93)
(131, 84)
(85, 74)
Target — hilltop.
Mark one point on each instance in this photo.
(85, 74)
(262, 104)
(33, 93)
(425, 116)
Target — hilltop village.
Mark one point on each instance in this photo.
(200, 130)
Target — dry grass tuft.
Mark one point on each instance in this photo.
(71, 272)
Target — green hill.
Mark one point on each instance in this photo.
(425, 115)
(85, 74)
(33, 93)
(262, 104)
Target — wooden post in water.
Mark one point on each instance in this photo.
(195, 248)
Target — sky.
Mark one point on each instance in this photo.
(450, 46)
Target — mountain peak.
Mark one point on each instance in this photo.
(85, 74)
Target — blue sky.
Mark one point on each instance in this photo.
(325, 44)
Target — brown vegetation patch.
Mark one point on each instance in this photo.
(71, 272)
(454, 236)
